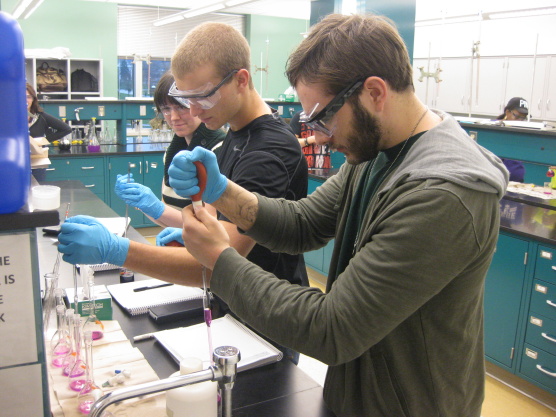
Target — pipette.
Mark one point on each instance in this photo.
(125, 274)
(197, 201)
(59, 256)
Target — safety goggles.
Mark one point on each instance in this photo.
(205, 97)
(518, 116)
(318, 121)
(180, 110)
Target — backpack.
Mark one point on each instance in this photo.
(51, 79)
(81, 80)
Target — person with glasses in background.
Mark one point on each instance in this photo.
(211, 69)
(415, 217)
(517, 109)
(189, 132)
(42, 125)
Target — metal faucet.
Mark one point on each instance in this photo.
(77, 113)
(225, 371)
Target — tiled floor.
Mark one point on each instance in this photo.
(501, 400)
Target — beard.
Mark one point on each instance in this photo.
(364, 135)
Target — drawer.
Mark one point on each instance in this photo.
(543, 299)
(539, 366)
(545, 267)
(95, 183)
(541, 333)
(72, 168)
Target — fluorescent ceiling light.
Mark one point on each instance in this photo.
(519, 13)
(233, 3)
(168, 19)
(199, 11)
(26, 8)
(449, 20)
(203, 10)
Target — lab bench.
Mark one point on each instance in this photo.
(279, 389)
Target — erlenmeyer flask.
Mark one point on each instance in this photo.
(60, 342)
(90, 391)
(49, 301)
(76, 365)
(92, 323)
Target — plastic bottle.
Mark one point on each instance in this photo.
(196, 400)
(15, 171)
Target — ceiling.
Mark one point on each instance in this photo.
(299, 9)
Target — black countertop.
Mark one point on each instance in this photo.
(510, 129)
(131, 148)
(279, 389)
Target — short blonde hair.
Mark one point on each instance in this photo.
(212, 43)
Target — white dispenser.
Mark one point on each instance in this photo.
(196, 400)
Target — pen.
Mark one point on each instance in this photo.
(143, 337)
(152, 287)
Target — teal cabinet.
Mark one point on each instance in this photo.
(503, 291)
(89, 170)
(538, 356)
(147, 170)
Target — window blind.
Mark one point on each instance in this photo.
(137, 35)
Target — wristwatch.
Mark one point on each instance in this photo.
(306, 142)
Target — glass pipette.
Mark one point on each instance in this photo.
(197, 201)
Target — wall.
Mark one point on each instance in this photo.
(283, 36)
(515, 57)
(88, 29)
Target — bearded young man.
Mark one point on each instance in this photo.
(415, 215)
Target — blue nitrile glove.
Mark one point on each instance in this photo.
(169, 234)
(84, 240)
(183, 174)
(137, 195)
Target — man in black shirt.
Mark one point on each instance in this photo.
(211, 69)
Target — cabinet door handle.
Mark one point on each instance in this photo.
(554, 267)
(550, 303)
(90, 186)
(146, 167)
(87, 167)
(548, 104)
(54, 169)
(552, 374)
(547, 336)
(140, 167)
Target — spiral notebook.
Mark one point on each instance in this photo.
(192, 341)
(154, 293)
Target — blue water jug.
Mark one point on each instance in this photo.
(15, 171)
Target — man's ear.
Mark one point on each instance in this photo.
(374, 94)
(242, 78)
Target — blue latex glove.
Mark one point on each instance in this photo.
(169, 234)
(183, 174)
(137, 195)
(84, 240)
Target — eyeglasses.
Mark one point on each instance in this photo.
(181, 110)
(318, 121)
(205, 97)
(518, 116)
(29, 97)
